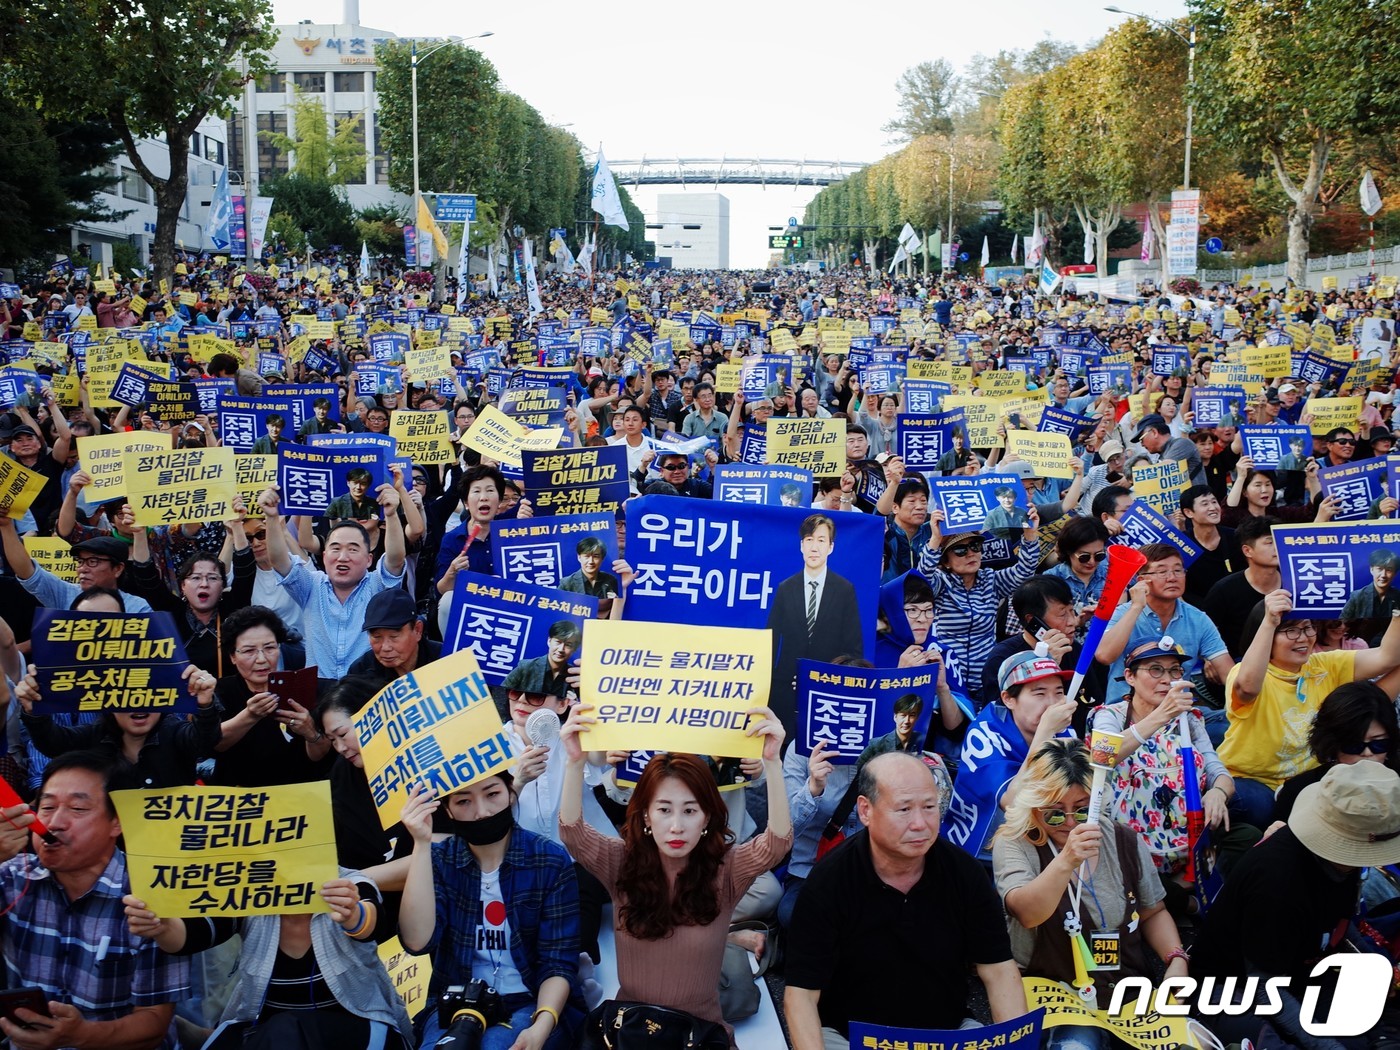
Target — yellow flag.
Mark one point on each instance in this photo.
(426, 223)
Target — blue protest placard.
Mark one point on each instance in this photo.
(990, 502)
(763, 483)
(573, 552)
(1021, 1031)
(210, 390)
(1103, 378)
(1076, 362)
(1055, 420)
(456, 207)
(1169, 360)
(372, 380)
(507, 625)
(1143, 525)
(88, 661)
(20, 386)
(535, 407)
(1355, 486)
(173, 402)
(358, 441)
(132, 382)
(1392, 472)
(576, 481)
(758, 372)
(311, 479)
(1324, 567)
(302, 400)
(923, 396)
(851, 708)
(1317, 368)
(924, 440)
(388, 348)
(1210, 405)
(1277, 447)
(753, 444)
(271, 364)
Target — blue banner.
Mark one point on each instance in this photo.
(20, 386)
(1055, 420)
(1277, 447)
(317, 360)
(210, 390)
(88, 661)
(759, 372)
(133, 382)
(1316, 368)
(1024, 1031)
(1325, 566)
(1143, 525)
(535, 407)
(753, 444)
(388, 348)
(545, 552)
(1211, 404)
(923, 396)
(763, 483)
(576, 481)
(1103, 378)
(1355, 486)
(924, 440)
(990, 502)
(357, 441)
(410, 245)
(1169, 360)
(851, 708)
(506, 625)
(373, 380)
(1076, 362)
(302, 399)
(310, 479)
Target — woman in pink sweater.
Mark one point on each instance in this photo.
(675, 875)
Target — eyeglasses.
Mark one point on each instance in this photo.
(1158, 671)
(92, 563)
(1169, 574)
(1298, 630)
(204, 577)
(1376, 747)
(252, 652)
(1085, 557)
(1054, 818)
(961, 549)
(919, 612)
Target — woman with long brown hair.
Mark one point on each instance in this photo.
(674, 876)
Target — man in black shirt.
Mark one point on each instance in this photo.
(1220, 547)
(887, 924)
(1230, 600)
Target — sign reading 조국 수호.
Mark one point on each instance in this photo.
(851, 707)
(423, 437)
(311, 478)
(1142, 524)
(179, 486)
(101, 457)
(1021, 1032)
(437, 726)
(108, 662)
(818, 445)
(546, 551)
(1355, 486)
(506, 624)
(987, 502)
(1277, 447)
(1055, 420)
(576, 481)
(1324, 566)
(925, 439)
(763, 483)
(197, 851)
(675, 686)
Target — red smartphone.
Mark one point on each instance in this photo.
(293, 685)
(31, 999)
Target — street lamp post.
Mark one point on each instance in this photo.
(413, 60)
(1190, 42)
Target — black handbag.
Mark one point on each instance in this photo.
(618, 1025)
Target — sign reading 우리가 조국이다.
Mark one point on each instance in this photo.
(179, 486)
(437, 726)
(195, 851)
(676, 687)
(576, 481)
(87, 661)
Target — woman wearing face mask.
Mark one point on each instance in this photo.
(674, 877)
(495, 903)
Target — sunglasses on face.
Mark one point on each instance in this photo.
(1344, 441)
(1055, 818)
(1085, 557)
(533, 699)
(1375, 747)
(961, 549)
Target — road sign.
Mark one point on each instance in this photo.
(1214, 245)
(456, 207)
(786, 241)
(792, 220)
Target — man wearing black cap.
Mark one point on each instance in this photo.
(101, 563)
(1155, 435)
(1341, 446)
(27, 449)
(396, 642)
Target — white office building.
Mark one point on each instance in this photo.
(694, 232)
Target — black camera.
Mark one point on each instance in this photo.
(465, 1011)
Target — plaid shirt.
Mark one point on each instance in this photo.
(81, 952)
(540, 892)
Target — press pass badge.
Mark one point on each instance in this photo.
(1104, 946)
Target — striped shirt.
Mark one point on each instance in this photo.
(81, 952)
(965, 620)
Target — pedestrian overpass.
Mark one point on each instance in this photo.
(731, 171)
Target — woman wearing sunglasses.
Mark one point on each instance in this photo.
(1082, 547)
(1274, 693)
(1355, 723)
(1068, 884)
(1149, 794)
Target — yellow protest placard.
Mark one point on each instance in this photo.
(409, 974)
(598, 315)
(696, 687)
(496, 435)
(194, 851)
(1267, 362)
(1159, 485)
(53, 553)
(19, 487)
(1329, 413)
(782, 341)
(251, 475)
(1063, 1006)
(940, 371)
(856, 327)
(438, 726)
(33, 331)
(423, 437)
(86, 323)
(727, 376)
(818, 445)
(179, 486)
(835, 342)
(1048, 453)
(424, 364)
(67, 389)
(983, 416)
(102, 456)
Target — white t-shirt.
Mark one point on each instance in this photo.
(491, 958)
(268, 591)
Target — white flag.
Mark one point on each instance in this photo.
(908, 239)
(1015, 240)
(1049, 279)
(585, 257)
(1148, 241)
(986, 251)
(899, 256)
(1088, 248)
(464, 279)
(532, 287)
(1370, 196)
(364, 261)
(491, 282)
(606, 201)
(1036, 251)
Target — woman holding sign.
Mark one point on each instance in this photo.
(674, 877)
(1253, 495)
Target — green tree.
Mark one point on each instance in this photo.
(380, 226)
(317, 153)
(1287, 81)
(318, 209)
(154, 69)
(927, 94)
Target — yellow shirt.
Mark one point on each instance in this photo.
(1268, 740)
